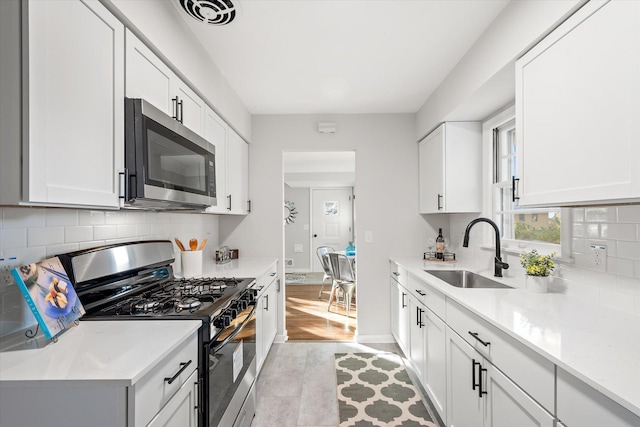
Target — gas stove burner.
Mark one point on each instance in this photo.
(188, 304)
(218, 284)
(147, 305)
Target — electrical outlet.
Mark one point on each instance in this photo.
(7, 263)
(599, 257)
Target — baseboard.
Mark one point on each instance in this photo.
(363, 339)
(281, 338)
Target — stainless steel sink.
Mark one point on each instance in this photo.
(466, 279)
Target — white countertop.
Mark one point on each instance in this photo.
(113, 352)
(598, 344)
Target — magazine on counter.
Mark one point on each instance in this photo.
(49, 294)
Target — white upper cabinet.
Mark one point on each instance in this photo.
(577, 109)
(237, 174)
(215, 131)
(72, 116)
(450, 168)
(149, 78)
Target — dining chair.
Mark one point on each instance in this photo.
(343, 278)
(321, 251)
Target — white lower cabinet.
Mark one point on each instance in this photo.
(418, 335)
(266, 315)
(182, 409)
(435, 372)
(580, 405)
(480, 395)
(400, 315)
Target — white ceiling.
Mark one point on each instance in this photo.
(319, 169)
(342, 56)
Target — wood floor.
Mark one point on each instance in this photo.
(309, 320)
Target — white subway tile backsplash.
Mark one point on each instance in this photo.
(91, 217)
(600, 214)
(61, 217)
(115, 217)
(145, 230)
(629, 250)
(45, 236)
(13, 238)
(126, 230)
(23, 217)
(618, 231)
(54, 250)
(592, 231)
(578, 215)
(80, 233)
(620, 266)
(578, 230)
(629, 214)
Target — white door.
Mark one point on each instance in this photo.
(331, 220)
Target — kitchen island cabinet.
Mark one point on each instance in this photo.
(63, 109)
(266, 314)
(110, 372)
(577, 109)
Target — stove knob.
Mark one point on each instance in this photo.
(232, 312)
(227, 320)
(244, 304)
(221, 321)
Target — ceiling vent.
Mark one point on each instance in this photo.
(213, 12)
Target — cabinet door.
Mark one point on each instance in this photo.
(506, 405)
(148, 77)
(191, 107)
(215, 131)
(400, 299)
(182, 409)
(577, 109)
(417, 324)
(464, 406)
(237, 173)
(431, 154)
(435, 373)
(74, 147)
(270, 326)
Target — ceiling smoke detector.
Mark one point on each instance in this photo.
(213, 12)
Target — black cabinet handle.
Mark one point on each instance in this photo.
(420, 292)
(420, 323)
(473, 374)
(439, 199)
(183, 366)
(403, 304)
(248, 206)
(174, 101)
(125, 174)
(395, 273)
(181, 105)
(229, 197)
(480, 391)
(514, 182)
(266, 306)
(475, 335)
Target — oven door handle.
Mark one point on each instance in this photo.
(236, 332)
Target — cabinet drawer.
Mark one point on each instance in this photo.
(265, 280)
(532, 372)
(153, 391)
(581, 405)
(399, 273)
(424, 293)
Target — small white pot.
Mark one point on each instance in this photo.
(537, 284)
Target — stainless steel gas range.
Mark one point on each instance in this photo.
(135, 281)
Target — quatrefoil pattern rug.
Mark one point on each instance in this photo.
(374, 389)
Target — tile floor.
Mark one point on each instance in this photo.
(297, 384)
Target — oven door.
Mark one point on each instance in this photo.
(232, 372)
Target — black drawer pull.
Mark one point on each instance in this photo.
(420, 292)
(395, 273)
(475, 335)
(182, 368)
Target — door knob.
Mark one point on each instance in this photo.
(315, 235)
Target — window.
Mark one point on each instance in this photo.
(520, 227)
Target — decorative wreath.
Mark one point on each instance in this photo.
(289, 212)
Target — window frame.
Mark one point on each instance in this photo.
(563, 250)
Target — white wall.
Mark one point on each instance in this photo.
(386, 200)
(157, 23)
(33, 234)
(295, 232)
(483, 81)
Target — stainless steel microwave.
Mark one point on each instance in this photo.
(167, 165)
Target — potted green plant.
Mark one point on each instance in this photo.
(538, 268)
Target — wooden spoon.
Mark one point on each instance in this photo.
(180, 245)
(193, 244)
(202, 245)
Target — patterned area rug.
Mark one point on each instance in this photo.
(374, 389)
